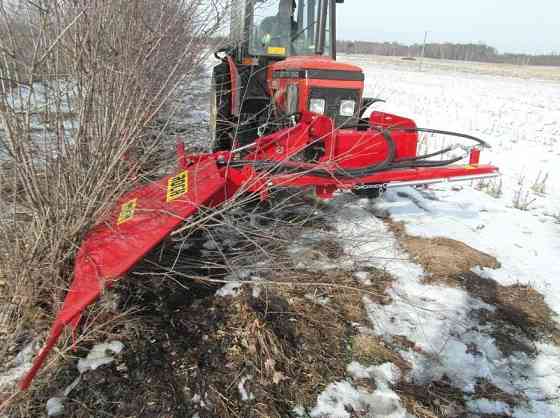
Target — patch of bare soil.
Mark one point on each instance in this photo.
(258, 354)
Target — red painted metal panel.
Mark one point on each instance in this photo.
(356, 149)
(406, 142)
(314, 62)
(141, 220)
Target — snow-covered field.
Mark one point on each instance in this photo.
(521, 120)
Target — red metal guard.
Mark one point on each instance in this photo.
(141, 220)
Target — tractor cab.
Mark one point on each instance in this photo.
(281, 28)
(280, 61)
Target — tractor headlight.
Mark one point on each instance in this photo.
(317, 106)
(347, 108)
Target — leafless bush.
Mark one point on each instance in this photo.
(79, 84)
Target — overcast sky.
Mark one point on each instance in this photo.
(531, 26)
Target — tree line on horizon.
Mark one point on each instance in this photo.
(451, 51)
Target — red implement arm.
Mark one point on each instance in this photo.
(141, 220)
(381, 155)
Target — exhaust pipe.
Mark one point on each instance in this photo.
(320, 33)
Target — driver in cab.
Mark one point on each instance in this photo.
(277, 30)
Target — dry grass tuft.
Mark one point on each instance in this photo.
(435, 400)
(368, 349)
(443, 258)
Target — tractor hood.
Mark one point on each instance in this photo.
(317, 84)
(316, 67)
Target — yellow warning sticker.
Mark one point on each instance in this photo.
(127, 211)
(276, 50)
(177, 186)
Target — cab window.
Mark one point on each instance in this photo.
(285, 27)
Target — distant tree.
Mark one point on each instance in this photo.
(479, 52)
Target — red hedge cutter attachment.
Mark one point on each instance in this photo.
(374, 156)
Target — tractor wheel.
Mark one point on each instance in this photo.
(221, 126)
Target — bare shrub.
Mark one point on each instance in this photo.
(80, 83)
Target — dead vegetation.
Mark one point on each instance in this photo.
(521, 316)
(435, 400)
(80, 85)
(369, 349)
(442, 258)
(492, 187)
(274, 346)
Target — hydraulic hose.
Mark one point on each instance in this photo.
(388, 163)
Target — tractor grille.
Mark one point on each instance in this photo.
(333, 98)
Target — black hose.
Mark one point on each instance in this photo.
(387, 164)
(448, 133)
(430, 131)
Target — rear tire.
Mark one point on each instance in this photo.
(221, 125)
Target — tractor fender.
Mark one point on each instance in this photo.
(235, 87)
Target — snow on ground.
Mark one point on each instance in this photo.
(521, 120)
(383, 403)
(99, 355)
(524, 242)
(442, 322)
(23, 362)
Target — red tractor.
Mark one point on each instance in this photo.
(285, 114)
(281, 60)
